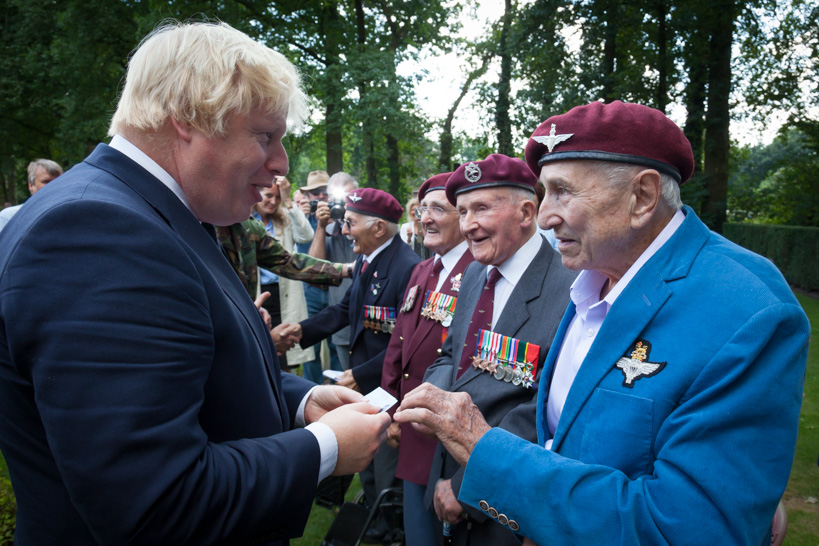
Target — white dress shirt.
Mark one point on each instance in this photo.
(511, 271)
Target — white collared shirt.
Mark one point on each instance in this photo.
(590, 311)
(511, 271)
(328, 444)
(370, 257)
(139, 157)
(450, 260)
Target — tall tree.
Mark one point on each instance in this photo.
(502, 117)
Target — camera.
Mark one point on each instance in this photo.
(337, 210)
(313, 206)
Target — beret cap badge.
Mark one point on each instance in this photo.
(551, 140)
(472, 172)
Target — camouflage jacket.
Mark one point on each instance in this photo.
(248, 246)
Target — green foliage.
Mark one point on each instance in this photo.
(8, 512)
(777, 184)
(794, 250)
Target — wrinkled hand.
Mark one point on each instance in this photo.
(359, 430)
(327, 398)
(323, 217)
(285, 336)
(260, 299)
(347, 380)
(447, 507)
(452, 416)
(394, 435)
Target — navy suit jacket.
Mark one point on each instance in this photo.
(381, 285)
(140, 395)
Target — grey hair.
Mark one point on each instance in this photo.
(340, 179)
(392, 227)
(620, 174)
(51, 167)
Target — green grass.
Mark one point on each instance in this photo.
(803, 516)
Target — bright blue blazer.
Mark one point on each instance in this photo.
(698, 452)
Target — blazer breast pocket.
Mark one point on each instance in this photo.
(619, 432)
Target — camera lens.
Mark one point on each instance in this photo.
(337, 210)
(313, 206)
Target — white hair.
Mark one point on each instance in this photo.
(620, 174)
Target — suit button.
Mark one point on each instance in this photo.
(484, 505)
(514, 525)
(406, 376)
(439, 352)
(492, 512)
(502, 519)
(350, 352)
(401, 338)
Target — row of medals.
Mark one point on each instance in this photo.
(387, 326)
(501, 372)
(438, 315)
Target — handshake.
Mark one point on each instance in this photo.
(285, 336)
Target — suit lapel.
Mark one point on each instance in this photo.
(424, 326)
(183, 222)
(631, 313)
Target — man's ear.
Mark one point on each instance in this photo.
(528, 212)
(647, 188)
(183, 129)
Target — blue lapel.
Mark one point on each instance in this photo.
(631, 313)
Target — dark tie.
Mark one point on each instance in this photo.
(211, 231)
(432, 282)
(481, 320)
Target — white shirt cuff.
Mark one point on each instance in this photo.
(326, 438)
(328, 447)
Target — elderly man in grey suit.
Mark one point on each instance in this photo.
(510, 305)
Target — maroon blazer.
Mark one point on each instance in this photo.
(412, 349)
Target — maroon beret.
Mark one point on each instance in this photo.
(373, 202)
(619, 132)
(437, 182)
(495, 171)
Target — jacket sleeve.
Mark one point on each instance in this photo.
(745, 398)
(302, 230)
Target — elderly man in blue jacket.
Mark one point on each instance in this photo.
(668, 409)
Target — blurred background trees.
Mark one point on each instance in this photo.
(712, 65)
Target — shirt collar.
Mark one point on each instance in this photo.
(377, 251)
(514, 267)
(139, 157)
(454, 255)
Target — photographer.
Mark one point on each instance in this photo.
(329, 241)
(314, 191)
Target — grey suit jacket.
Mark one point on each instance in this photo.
(532, 313)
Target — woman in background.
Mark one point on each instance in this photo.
(284, 221)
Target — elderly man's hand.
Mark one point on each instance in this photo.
(359, 429)
(346, 379)
(285, 336)
(394, 435)
(446, 505)
(452, 416)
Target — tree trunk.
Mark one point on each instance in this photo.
(610, 51)
(367, 139)
(445, 160)
(504, 124)
(662, 55)
(717, 118)
(394, 164)
(333, 122)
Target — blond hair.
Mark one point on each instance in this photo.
(201, 73)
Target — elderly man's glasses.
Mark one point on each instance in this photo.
(436, 213)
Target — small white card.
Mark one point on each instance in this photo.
(381, 399)
(332, 375)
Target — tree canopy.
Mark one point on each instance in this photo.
(705, 62)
